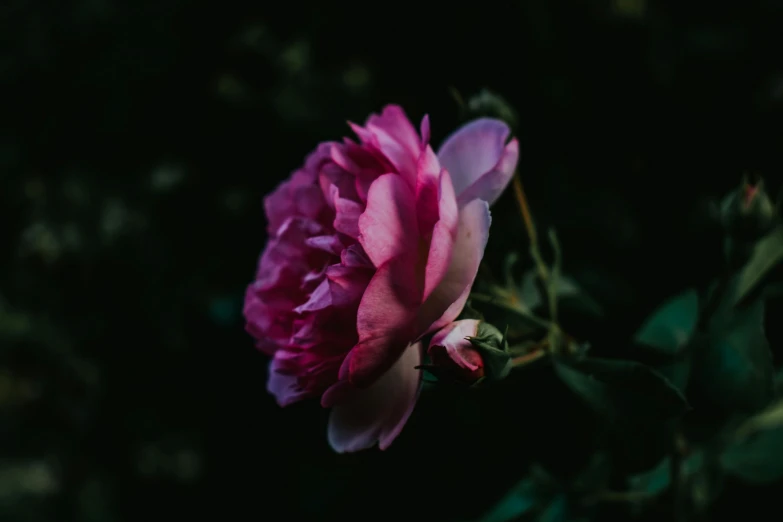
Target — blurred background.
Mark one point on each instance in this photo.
(137, 140)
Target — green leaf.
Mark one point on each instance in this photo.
(756, 453)
(566, 289)
(734, 370)
(767, 254)
(657, 480)
(623, 391)
(555, 511)
(522, 499)
(672, 325)
(757, 460)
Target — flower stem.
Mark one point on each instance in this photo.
(524, 208)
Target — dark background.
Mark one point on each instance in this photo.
(138, 138)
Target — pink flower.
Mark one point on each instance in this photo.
(452, 353)
(371, 246)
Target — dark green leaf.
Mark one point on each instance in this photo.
(622, 390)
(671, 326)
(657, 480)
(556, 510)
(759, 458)
(567, 289)
(734, 369)
(756, 453)
(767, 254)
(520, 500)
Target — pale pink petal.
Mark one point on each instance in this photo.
(388, 224)
(376, 415)
(440, 309)
(285, 388)
(444, 235)
(473, 150)
(453, 338)
(491, 185)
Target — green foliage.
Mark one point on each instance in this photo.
(733, 369)
(671, 326)
(767, 254)
(620, 390)
(756, 452)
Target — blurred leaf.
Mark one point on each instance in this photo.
(556, 510)
(622, 390)
(734, 369)
(566, 288)
(657, 480)
(758, 458)
(672, 325)
(520, 500)
(756, 454)
(767, 254)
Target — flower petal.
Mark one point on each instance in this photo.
(346, 219)
(444, 234)
(448, 299)
(491, 185)
(453, 338)
(473, 151)
(384, 320)
(388, 225)
(285, 388)
(377, 414)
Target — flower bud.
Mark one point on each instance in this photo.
(468, 351)
(748, 212)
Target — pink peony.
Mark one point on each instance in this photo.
(372, 245)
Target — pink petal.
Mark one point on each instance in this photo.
(378, 413)
(491, 185)
(284, 387)
(347, 284)
(388, 225)
(319, 299)
(453, 338)
(446, 302)
(330, 244)
(444, 234)
(346, 219)
(473, 150)
(354, 256)
(384, 320)
(427, 188)
(397, 139)
(425, 130)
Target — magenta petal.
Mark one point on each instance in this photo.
(319, 299)
(425, 130)
(446, 302)
(473, 150)
(346, 219)
(491, 185)
(388, 225)
(330, 244)
(378, 414)
(285, 388)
